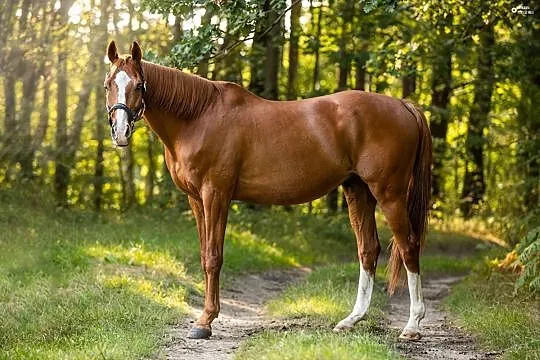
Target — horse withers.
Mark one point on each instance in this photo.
(224, 143)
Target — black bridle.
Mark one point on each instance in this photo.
(133, 116)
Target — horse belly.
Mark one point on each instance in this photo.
(287, 185)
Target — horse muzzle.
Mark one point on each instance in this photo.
(123, 124)
(121, 129)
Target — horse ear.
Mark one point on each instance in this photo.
(136, 52)
(112, 53)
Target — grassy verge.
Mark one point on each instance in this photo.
(312, 308)
(485, 306)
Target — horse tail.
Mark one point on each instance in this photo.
(418, 195)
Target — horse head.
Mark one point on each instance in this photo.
(125, 90)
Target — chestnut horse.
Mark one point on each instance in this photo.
(223, 143)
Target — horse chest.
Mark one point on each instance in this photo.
(183, 178)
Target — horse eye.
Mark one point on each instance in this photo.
(139, 86)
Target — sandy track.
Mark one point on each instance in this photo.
(241, 315)
(441, 339)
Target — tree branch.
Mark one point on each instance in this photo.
(225, 51)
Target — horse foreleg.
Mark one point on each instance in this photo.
(361, 205)
(215, 207)
(198, 214)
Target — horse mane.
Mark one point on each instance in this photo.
(184, 95)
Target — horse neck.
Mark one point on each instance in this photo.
(180, 95)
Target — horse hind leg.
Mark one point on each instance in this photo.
(406, 249)
(361, 205)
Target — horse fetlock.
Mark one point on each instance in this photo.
(348, 323)
(210, 313)
(419, 311)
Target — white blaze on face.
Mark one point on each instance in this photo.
(363, 298)
(121, 123)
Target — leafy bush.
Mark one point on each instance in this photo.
(529, 255)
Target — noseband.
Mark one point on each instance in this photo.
(133, 116)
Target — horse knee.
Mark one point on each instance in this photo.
(369, 256)
(212, 263)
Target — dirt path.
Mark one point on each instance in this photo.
(241, 315)
(441, 340)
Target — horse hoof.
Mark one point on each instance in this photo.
(410, 335)
(199, 333)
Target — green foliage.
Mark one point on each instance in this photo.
(370, 5)
(529, 256)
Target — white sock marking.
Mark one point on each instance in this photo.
(417, 308)
(363, 298)
(122, 80)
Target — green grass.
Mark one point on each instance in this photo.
(315, 344)
(312, 308)
(78, 285)
(486, 307)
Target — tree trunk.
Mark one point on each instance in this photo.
(441, 87)
(258, 49)
(529, 121)
(408, 82)
(316, 85)
(61, 169)
(332, 201)
(41, 130)
(344, 65)
(474, 186)
(99, 170)
(271, 63)
(38, 70)
(296, 11)
(360, 75)
(265, 54)
(101, 115)
(126, 177)
(10, 109)
(24, 156)
(149, 178)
